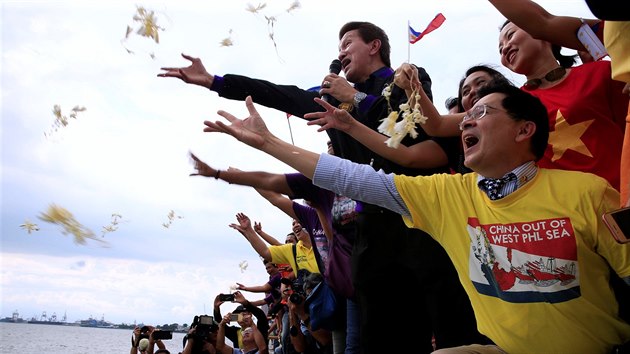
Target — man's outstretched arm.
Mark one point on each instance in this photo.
(343, 177)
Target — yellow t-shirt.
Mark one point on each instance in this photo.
(305, 257)
(534, 264)
(617, 42)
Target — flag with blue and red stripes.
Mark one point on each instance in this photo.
(415, 36)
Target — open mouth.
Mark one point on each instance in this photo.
(345, 63)
(470, 141)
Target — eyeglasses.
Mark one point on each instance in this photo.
(476, 113)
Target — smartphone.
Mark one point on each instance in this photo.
(162, 335)
(618, 221)
(235, 317)
(226, 297)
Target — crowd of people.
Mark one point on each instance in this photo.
(491, 212)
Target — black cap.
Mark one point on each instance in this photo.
(240, 309)
(286, 281)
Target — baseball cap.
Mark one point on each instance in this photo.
(143, 344)
(239, 309)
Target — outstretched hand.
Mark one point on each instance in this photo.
(257, 227)
(202, 168)
(332, 118)
(195, 73)
(244, 223)
(251, 130)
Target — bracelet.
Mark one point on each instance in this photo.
(216, 176)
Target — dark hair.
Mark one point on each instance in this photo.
(369, 32)
(521, 105)
(565, 61)
(496, 79)
(452, 102)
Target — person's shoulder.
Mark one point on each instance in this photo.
(576, 181)
(599, 65)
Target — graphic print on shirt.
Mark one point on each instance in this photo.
(525, 262)
(567, 136)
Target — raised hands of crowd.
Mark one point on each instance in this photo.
(251, 130)
(195, 73)
(258, 227)
(332, 118)
(244, 223)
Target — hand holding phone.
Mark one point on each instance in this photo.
(157, 334)
(618, 221)
(235, 317)
(226, 297)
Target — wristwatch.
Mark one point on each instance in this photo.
(358, 97)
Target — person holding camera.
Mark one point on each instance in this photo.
(201, 337)
(248, 311)
(143, 341)
(252, 339)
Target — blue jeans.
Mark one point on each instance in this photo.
(353, 320)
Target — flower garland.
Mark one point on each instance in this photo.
(397, 130)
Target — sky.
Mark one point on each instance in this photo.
(127, 152)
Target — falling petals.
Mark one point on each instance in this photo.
(29, 226)
(243, 265)
(62, 217)
(62, 120)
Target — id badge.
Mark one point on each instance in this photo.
(590, 41)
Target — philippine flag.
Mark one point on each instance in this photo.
(415, 36)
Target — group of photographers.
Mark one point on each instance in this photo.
(145, 338)
(251, 336)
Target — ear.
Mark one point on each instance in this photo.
(375, 46)
(525, 131)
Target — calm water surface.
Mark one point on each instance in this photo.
(24, 338)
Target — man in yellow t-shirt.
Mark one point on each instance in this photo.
(528, 243)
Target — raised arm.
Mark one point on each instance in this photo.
(279, 201)
(221, 346)
(253, 132)
(244, 226)
(265, 236)
(426, 154)
(195, 73)
(259, 339)
(271, 181)
(540, 24)
(256, 288)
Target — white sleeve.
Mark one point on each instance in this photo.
(359, 182)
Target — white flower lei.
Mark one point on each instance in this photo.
(397, 130)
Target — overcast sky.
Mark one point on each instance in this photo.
(127, 153)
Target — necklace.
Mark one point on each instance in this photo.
(554, 75)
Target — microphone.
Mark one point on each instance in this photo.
(334, 68)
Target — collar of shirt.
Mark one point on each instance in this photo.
(382, 73)
(524, 173)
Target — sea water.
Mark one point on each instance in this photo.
(26, 338)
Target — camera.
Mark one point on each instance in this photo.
(226, 297)
(235, 317)
(297, 287)
(203, 325)
(162, 335)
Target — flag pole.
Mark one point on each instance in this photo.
(408, 43)
(290, 130)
